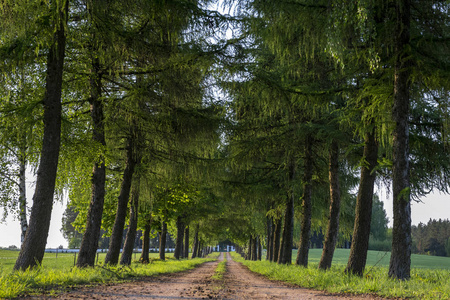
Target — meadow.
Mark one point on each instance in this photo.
(430, 275)
(58, 272)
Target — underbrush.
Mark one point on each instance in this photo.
(41, 279)
(424, 284)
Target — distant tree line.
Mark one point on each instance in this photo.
(432, 238)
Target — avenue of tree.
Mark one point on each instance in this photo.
(263, 125)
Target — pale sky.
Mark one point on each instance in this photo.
(434, 206)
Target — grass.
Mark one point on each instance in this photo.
(57, 273)
(53, 261)
(221, 269)
(430, 276)
(381, 259)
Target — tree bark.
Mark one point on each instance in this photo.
(255, 248)
(285, 252)
(162, 241)
(259, 249)
(22, 196)
(33, 246)
(186, 243)
(363, 211)
(269, 239)
(112, 257)
(146, 241)
(127, 251)
(179, 242)
(250, 250)
(335, 205)
(195, 246)
(276, 240)
(400, 263)
(303, 249)
(89, 243)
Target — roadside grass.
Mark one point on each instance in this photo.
(221, 269)
(53, 277)
(429, 283)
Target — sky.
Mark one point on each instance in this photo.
(434, 206)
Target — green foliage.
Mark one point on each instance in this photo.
(431, 238)
(379, 222)
(380, 245)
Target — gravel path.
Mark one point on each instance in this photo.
(237, 283)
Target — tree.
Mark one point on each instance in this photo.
(363, 211)
(33, 247)
(68, 230)
(379, 223)
(89, 244)
(128, 246)
(400, 263)
(112, 256)
(303, 249)
(335, 203)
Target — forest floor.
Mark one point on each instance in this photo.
(237, 283)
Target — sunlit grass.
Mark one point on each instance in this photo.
(221, 269)
(381, 259)
(424, 283)
(60, 272)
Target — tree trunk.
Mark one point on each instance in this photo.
(400, 263)
(250, 250)
(335, 205)
(363, 211)
(200, 249)
(89, 243)
(195, 246)
(255, 248)
(259, 249)
(146, 241)
(285, 253)
(303, 249)
(33, 246)
(127, 252)
(269, 239)
(162, 241)
(112, 257)
(186, 243)
(179, 242)
(22, 196)
(276, 240)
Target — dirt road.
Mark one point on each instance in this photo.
(237, 283)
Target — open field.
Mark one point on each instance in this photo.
(56, 260)
(380, 259)
(430, 275)
(58, 272)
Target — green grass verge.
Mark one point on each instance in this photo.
(62, 274)
(221, 269)
(424, 283)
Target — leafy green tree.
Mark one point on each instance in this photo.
(379, 222)
(33, 247)
(68, 230)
